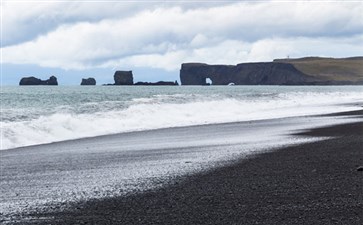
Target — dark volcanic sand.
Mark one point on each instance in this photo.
(314, 183)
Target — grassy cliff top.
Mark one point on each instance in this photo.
(337, 69)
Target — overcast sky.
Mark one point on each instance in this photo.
(75, 39)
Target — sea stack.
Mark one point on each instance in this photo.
(36, 81)
(88, 81)
(123, 78)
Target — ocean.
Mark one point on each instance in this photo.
(32, 115)
(84, 143)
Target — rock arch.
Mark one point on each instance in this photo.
(208, 81)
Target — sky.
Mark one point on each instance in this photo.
(79, 39)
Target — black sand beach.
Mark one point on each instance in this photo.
(312, 183)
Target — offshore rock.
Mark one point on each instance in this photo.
(159, 83)
(35, 81)
(123, 78)
(88, 81)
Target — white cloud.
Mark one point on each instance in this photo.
(165, 35)
(26, 20)
(23, 21)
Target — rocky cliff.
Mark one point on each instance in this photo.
(242, 74)
(279, 72)
(35, 81)
(330, 70)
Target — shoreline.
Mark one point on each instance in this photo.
(83, 211)
(313, 183)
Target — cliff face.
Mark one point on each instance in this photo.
(243, 74)
(303, 71)
(330, 70)
(35, 81)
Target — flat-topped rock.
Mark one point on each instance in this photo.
(123, 78)
(88, 81)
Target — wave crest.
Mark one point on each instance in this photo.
(146, 114)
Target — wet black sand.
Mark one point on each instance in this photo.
(314, 183)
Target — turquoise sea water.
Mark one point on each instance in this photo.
(42, 114)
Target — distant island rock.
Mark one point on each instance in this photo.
(127, 78)
(88, 81)
(159, 83)
(303, 71)
(123, 78)
(35, 81)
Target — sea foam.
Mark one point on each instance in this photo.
(160, 111)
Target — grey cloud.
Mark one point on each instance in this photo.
(25, 21)
(164, 34)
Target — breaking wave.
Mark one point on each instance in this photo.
(156, 112)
